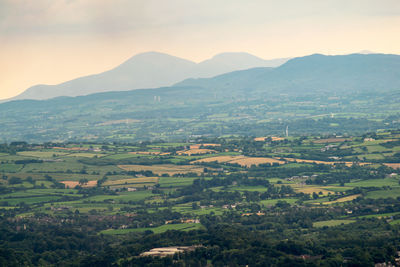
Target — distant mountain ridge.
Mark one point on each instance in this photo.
(362, 91)
(148, 70)
(344, 73)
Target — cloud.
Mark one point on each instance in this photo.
(69, 38)
(24, 17)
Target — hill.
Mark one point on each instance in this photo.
(148, 70)
(349, 73)
(314, 94)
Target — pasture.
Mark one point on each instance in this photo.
(342, 199)
(160, 169)
(272, 202)
(394, 182)
(390, 193)
(132, 181)
(157, 230)
(241, 160)
(42, 154)
(166, 182)
(331, 223)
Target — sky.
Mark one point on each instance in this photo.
(52, 41)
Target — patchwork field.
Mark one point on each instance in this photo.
(36, 183)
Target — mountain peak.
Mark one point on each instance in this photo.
(152, 57)
(148, 70)
(234, 55)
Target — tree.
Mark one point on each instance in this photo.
(83, 181)
(15, 180)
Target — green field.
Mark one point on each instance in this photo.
(392, 193)
(157, 230)
(175, 181)
(7, 167)
(42, 154)
(393, 182)
(124, 196)
(382, 215)
(271, 202)
(331, 223)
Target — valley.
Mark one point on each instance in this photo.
(303, 187)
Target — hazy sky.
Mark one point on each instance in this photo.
(51, 41)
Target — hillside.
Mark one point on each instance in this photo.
(349, 73)
(321, 94)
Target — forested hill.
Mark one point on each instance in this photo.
(315, 73)
(356, 92)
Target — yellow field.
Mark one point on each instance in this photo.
(393, 165)
(326, 162)
(197, 146)
(241, 160)
(195, 151)
(163, 168)
(273, 138)
(133, 181)
(72, 184)
(342, 199)
(312, 189)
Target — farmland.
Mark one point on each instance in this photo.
(160, 229)
(68, 168)
(163, 169)
(241, 160)
(274, 185)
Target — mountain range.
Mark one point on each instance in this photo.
(310, 74)
(317, 93)
(148, 70)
